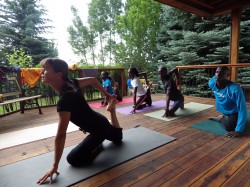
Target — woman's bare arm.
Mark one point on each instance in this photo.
(82, 82)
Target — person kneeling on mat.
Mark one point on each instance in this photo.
(73, 107)
(107, 81)
(171, 90)
(144, 95)
(230, 101)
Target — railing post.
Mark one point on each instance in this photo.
(124, 92)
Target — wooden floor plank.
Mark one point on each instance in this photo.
(170, 152)
(169, 171)
(153, 166)
(140, 161)
(240, 178)
(195, 158)
(193, 173)
(226, 168)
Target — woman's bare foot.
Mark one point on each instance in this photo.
(111, 103)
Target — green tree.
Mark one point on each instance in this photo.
(82, 39)
(115, 9)
(21, 26)
(101, 22)
(187, 39)
(19, 58)
(137, 29)
(98, 21)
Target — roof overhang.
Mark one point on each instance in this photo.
(207, 8)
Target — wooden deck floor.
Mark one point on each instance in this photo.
(195, 158)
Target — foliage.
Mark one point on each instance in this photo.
(21, 26)
(137, 29)
(100, 29)
(82, 39)
(19, 58)
(187, 39)
(102, 17)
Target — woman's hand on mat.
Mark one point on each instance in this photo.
(166, 114)
(49, 174)
(233, 134)
(133, 111)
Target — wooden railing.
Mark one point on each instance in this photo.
(195, 78)
(50, 97)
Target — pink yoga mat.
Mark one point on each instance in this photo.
(124, 101)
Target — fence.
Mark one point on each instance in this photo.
(195, 79)
(50, 97)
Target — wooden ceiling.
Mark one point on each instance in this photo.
(207, 8)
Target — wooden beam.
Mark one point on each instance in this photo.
(188, 7)
(234, 43)
(227, 6)
(241, 65)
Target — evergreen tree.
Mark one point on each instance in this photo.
(187, 39)
(21, 26)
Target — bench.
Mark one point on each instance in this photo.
(14, 90)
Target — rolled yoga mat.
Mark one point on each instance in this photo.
(136, 141)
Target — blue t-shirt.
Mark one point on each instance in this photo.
(129, 84)
(230, 100)
(107, 83)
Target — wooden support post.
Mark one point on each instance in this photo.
(124, 88)
(234, 43)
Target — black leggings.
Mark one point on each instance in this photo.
(230, 121)
(177, 104)
(85, 152)
(145, 98)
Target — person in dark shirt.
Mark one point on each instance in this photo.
(73, 107)
(172, 93)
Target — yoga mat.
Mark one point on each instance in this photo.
(216, 127)
(124, 101)
(137, 141)
(32, 134)
(155, 105)
(189, 108)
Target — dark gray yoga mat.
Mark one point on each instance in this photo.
(137, 141)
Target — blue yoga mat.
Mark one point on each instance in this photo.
(216, 127)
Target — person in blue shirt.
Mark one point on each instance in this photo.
(129, 84)
(107, 85)
(230, 101)
(130, 87)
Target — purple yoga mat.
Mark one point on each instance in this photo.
(155, 105)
